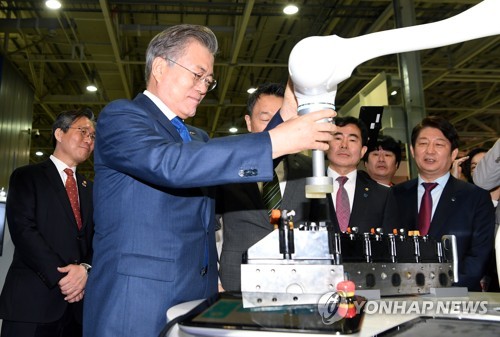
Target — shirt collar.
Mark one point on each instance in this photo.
(158, 102)
(441, 180)
(351, 175)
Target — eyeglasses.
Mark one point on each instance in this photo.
(85, 133)
(210, 83)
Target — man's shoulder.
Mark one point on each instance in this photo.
(34, 167)
(364, 178)
(465, 187)
(404, 186)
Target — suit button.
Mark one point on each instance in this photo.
(248, 173)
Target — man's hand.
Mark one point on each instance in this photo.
(456, 168)
(307, 132)
(73, 284)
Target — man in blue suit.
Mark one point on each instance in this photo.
(154, 243)
(458, 207)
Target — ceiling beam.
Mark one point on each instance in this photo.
(115, 47)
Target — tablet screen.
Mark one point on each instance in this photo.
(227, 312)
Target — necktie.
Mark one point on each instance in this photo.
(424, 215)
(73, 196)
(271, 194)
(182, 129)
(343, 209)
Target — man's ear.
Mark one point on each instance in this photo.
(412, 152)
(248, 120)
(158, 68)
(58, 134)
(454, 154)
(363, 151)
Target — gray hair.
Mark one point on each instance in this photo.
(66, 118)
(171, 43)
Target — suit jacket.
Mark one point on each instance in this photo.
(246, 220)
(487, 172)
(45, 235)
(154, 243)
(487, 175)
(463, 210)
(373, 206)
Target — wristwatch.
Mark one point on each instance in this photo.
(87, 267)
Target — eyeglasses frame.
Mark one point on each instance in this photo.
(210, 85)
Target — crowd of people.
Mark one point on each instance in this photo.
(145, 241)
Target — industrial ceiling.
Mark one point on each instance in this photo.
(104, 41)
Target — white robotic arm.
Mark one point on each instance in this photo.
(318, 64)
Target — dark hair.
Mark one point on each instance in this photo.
(171, 43)
(274, 89)
(66, 118)
(344, 121)
(386, 143)
(466, 165)
(439, 123)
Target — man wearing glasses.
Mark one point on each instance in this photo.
(154, 243)
(49, 214)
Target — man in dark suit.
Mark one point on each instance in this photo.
(244, 214)
(370, 203)
(458, 207)
(154, 242)
(45, 284)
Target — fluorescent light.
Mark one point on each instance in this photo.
(91, 88)
(394, 93)
(251, 90)
(53, 4)
(39, 153)
(290, 9)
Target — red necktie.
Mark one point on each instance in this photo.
(342, 208)
(73, 196)
(424, 215)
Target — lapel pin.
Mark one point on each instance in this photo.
(84, 183)
(367, 189)
(453, 199)
(192, 132)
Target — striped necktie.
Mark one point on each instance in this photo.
(271, 194)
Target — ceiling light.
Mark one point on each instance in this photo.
(290, 9)
(91, 87)
(53, 4)
(394, 93)
(39, 153)
(251, 90)
(233, 129)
